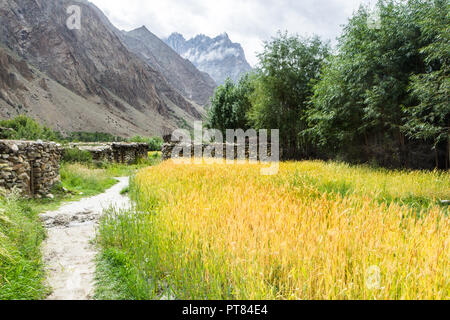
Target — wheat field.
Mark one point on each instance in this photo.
(316, 230)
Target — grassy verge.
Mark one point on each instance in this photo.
(314, 231)
(21, 232)
(113, 277)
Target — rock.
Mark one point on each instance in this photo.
(122, 76)
(50, 196)
(5, 175)
(445, 202)
(179, 72)
(15, 167)
(232, 65)
(24, 177)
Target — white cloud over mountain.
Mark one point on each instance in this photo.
(248, 22)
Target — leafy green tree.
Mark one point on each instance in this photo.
(154, 143)
(359, 105)
(230, 105)
(430, 117)
(25, 128)
(288, 68)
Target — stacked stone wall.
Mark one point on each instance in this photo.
(238, 151)
(127, 153)
(32, 167)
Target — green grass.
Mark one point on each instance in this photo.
(81, 179)
(125, 190)
(113, 277)
(117, 277)
(121, 170)
(21, 267)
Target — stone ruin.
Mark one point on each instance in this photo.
(30, 166)
(118, 152)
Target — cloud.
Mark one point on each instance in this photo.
(248, 22)
(213, 55)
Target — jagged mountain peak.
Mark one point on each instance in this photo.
(180, 73)
(219, 56)
(87, 79)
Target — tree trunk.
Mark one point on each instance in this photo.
(447, 165)
(436, 155)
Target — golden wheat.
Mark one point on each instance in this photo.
(314, 231)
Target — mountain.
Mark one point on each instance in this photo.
(219, 56)
(81, 80)
(180, 73)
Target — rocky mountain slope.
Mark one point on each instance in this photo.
(219, 56)
(180, 73)
(81, 80)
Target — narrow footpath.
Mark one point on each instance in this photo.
(68, 252)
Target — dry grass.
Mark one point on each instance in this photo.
(314, 231)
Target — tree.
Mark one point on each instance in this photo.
(25, 128)
(359, 105)
(430, 117)
(230, 105)
(287, 70)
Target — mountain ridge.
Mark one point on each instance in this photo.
(180, 73)
(90, 79)
(219, 56)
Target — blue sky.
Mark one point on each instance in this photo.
(249, 22)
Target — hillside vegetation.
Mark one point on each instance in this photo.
(23, 127)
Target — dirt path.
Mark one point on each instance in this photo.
(68, 252)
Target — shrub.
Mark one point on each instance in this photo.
(25, 128)
(155, 143)
(75, 155)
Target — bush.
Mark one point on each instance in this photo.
(155, 143)
(25, 128)
(75, 155)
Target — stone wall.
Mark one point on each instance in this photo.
(31, 167)
(129, 153)
(239, 151)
